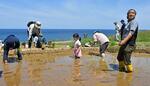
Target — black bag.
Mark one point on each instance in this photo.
(31, 22)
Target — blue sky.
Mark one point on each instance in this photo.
(71, 14)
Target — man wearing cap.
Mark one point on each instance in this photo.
(33, 31)
(11, 42)
(128, 42)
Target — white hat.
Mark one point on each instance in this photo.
(38, 24)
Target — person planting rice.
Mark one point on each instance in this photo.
(34, 30)
(10, 43)
(128, 42)
(77, 45)
(103, 40)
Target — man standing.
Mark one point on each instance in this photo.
(128, 42)
(33, 31)
(117, 29)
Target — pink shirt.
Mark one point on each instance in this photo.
(100, 37)
(77, 49)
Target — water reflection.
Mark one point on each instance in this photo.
(12, 77)
(124, 79)
(98, 67)
(76, 70)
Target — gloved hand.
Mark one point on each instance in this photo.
(29, 38)
(41, 35)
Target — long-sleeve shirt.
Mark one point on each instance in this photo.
(11, 42)
(32, 29)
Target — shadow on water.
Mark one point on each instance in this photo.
(94, 54)
(114, 66)
(12, 59)
(1, 72)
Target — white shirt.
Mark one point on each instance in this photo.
(100, 37)
(30, 29)
(1, 44)
(77, 44)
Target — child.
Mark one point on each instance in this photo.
(77, 45)
(101, 38)
(10, 43)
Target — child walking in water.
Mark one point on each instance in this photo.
(77, 45)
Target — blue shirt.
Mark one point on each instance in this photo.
(11, 42)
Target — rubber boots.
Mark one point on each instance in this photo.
(129, 68)
(122, 66)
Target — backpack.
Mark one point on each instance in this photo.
(29, 23)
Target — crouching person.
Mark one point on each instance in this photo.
(10, 43)
(103, 40)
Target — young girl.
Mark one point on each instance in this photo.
(77, 46)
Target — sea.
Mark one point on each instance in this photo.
(53, 34)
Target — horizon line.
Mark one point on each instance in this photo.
(71, 28)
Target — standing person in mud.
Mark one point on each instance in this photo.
(103, 40)
(128, 42)
(77, 45)
(118, 28)
(34, 28)
(11, 42)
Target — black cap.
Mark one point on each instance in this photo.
(76, 35)
(132, 10)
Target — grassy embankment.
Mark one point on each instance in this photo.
(143, 43)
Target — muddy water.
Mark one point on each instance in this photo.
(47, 70)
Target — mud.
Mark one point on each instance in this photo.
(62, 69)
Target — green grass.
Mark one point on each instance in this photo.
(143, 36)
(143, 41)
(86, 40)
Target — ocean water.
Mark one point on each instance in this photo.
(53, 34)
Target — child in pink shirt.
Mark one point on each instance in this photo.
(77, 46)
